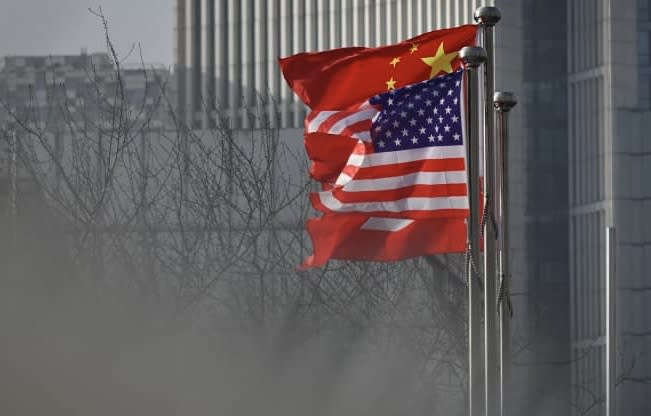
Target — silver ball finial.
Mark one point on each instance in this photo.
(504, 100)
(487, 15)
(473, 56)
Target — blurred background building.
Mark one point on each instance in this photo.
(47, 85)
(65, 93)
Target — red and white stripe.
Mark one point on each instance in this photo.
(416, 183)
(355, 122)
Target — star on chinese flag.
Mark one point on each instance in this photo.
(348, 76)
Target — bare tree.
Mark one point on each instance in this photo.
(209, 225)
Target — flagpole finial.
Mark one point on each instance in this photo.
(504, 100)
(473, 56)
(487, 15)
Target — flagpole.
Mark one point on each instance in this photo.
(504, 102)
(473, 57)
(487, 17)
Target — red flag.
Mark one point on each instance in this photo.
(392, 165)
(329, 154)
(361, 237)
(339, 78)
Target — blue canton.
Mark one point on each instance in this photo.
(419, 115)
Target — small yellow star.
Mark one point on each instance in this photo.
(391, 84)
(394, 61)
(414, 48)
(441, 62)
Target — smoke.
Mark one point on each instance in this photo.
(69, 350)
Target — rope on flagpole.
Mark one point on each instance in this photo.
(474, 269)
(503, 102)
(503, 291)
(504, 294)
(485, 216)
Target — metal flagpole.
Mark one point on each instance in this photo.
(611, 363)
(504, 102)
(473, 57)
(487, 17)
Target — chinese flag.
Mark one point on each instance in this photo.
(339, 78)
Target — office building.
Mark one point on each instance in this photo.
(227, 51)
(59, 88)
(608, 115)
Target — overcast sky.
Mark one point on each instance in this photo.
(49, 27)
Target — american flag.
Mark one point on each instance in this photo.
(410, 159)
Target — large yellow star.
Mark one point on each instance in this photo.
(440, 62)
